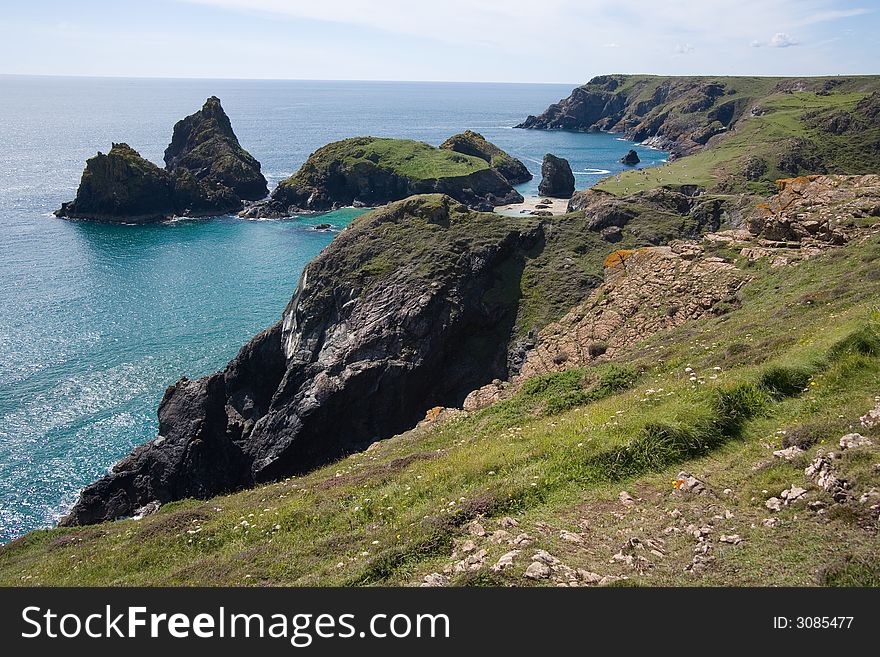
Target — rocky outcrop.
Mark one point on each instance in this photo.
(369, 171)
(204, 145)
(207, 173)
(473, 143)
(810, 214)
(376, 334)
(645, 291)
(630, 158)
(557, 180)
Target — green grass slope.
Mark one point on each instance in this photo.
(798, 361)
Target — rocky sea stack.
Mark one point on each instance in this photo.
(473, 143)
(630, 158)
(369, 171)
(205, 145)
(557, 180)
(207, 172)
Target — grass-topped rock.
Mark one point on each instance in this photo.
(372, 171)
(207, 173)
(473, 143)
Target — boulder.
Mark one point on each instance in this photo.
(557, 180)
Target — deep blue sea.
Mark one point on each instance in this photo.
(97, 320)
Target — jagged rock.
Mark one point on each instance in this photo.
(733, 539)
(476, 529)
(367, 331)
(204, 144)
(473, 143)
(854, 440)
(774, 504)
(147, 510)
(557, 180)
(630, 158)
(508, 522)
(625, 498)
(373, 171)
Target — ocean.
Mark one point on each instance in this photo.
(97, 320)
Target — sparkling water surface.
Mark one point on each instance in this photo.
(97, 320)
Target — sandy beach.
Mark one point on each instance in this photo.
(535, 204)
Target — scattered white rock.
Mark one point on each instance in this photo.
(625, 498)
(468, 546)
(689, 483)
(793, 494)
(871, 419)
(505, 561)
(545, 557)
(571, 537)
(476, 529)
(733, 539)
(853, 440)
(500, 536)
(147, 509)
(507, 522)
(789, 453)
(522, 539)
(770, 522)
(774, 504)
(434, 579)
(588, 577)
(537, 570)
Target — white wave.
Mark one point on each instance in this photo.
(592, 172)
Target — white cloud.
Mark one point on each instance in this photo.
(782, 40)
(684, 48)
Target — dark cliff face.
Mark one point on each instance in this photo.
(207, 173)
(409, 308)
(205, 145)
(473, 143)
(371, 172)
(676, 114)
(557, 179)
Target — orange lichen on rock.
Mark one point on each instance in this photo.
(617, 258)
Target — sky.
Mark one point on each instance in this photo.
(456, 40)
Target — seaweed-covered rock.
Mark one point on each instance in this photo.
(557, 180)
(204, 144)
(370, 171)
(473, 143)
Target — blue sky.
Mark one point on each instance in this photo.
(466, 40)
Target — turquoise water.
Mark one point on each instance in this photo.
(97, 320)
